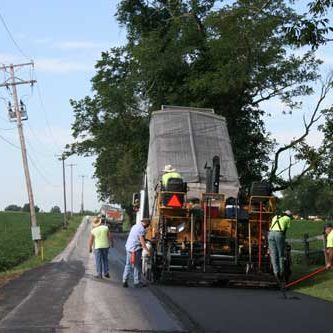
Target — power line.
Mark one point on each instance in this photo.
(12, 38)
(7, 129)
(40, 172)
(45, 115)
(39, 141)
(36, 161)
(10, 143)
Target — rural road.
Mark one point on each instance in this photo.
(64, 296)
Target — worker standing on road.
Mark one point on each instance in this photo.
(169, 172)
(134, 245)
(329, 244)
(276, 242)
(101, 238)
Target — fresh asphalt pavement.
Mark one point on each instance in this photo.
(64, 296)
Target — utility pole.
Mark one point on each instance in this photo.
(82, 205)
(18, 115)
(71, 165)
(62, 158)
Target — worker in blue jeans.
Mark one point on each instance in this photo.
(134, 245)
(276, 242)
(101, 239)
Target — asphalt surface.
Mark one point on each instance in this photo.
(64, 296)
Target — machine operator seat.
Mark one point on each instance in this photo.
(174, 185)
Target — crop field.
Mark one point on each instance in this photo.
(15, 235)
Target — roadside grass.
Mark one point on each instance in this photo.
(320, 285)
(52, 244)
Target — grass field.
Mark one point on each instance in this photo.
(300, 227)
(16, 243)
(322, 284)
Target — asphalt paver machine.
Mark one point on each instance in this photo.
(203, 229)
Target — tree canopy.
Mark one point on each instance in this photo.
(26, 208)
(313, 28)
(13, 208)
(190, 53)
(55, 210)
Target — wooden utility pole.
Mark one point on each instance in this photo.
(71, 166)
(82, 205)
(62, 158)
(16, 116)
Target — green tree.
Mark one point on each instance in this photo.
(313, 27)
(55, 210)
(13, 208)
(309, 197)
(327, 148)
(189, 53)
(111, 126)
(26, 208)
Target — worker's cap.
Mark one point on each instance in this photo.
(288, 212)
(145, 220)
(169, 168)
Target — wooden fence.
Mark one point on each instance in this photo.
(310, 246)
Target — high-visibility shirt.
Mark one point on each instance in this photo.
(329, 240)
(280, 223)
(169, 175)
(101, 237)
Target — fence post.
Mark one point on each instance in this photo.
(306, 248)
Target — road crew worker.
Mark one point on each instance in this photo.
(329, 244)
(101, 238)
(171, 181)
(276, 242)
(169, 172)
(134, 245)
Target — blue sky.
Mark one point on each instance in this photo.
(65, 39)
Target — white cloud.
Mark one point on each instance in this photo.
(72, 44)
(53, 65)
(81, 45)
(58, 65)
